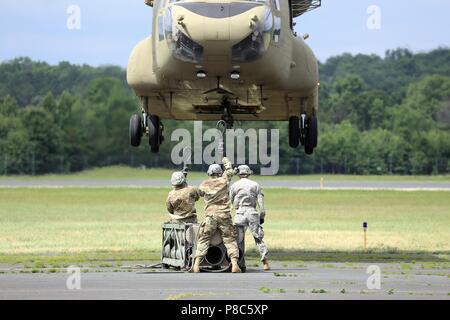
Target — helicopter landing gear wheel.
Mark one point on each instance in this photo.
(294, 132)
(311, 135)
(136, 130)
(155, 129)
(303, 130)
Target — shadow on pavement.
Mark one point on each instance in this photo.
(355, 256)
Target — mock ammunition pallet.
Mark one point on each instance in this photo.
(179, 243)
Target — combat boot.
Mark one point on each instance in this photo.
(234, 266)
(266, 266)
(196, 266)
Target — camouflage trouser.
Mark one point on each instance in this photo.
(192, 219)
(249, 218)
(227, 230)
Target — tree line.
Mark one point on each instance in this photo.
(378, 115)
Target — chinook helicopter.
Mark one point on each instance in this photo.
(225, 60)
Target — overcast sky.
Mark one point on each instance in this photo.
(110, 29)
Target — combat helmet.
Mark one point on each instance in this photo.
(244, 170)
(215, 169)
(178, 179)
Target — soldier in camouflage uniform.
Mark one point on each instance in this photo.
(216, 193)
(245, 195)
(181, 200)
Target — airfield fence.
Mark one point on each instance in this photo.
(33, 165)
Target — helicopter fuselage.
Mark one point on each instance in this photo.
(201, 53)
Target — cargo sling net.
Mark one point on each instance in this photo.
(299, 7)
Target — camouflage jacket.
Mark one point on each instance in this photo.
(216, 191)
(247, 193)
(181, 202)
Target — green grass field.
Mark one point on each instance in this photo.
(120, 172)
(76, 224)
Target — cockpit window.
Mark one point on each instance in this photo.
(277, 21)
(182, 47)
(160, 20)
(276, 4)
(256, 44)
(277, 29)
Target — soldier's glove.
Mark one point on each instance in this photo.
(262, 215)
(185, 171)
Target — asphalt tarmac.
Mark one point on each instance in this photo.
(306, 281)
(370, 185)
